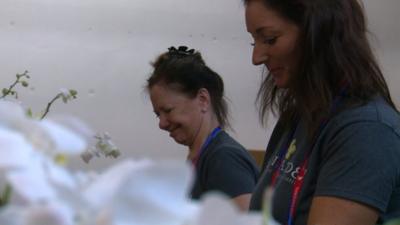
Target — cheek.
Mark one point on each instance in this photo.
(182, 118)
(289, 58)
(293, 62)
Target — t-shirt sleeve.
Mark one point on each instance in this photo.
(360, 162)
(231, 172)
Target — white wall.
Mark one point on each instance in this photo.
(102, 48)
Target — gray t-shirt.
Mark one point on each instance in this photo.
(355, 157)
(225, 166)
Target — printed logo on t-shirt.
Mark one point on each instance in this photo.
(291, 150)
(287, 170)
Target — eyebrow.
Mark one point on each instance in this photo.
(261, 29)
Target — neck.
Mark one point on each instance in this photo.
(206, 127)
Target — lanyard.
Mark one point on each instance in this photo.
(205, 144)
(298, 183)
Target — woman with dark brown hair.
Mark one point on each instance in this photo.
(188, 99)
(333, 157)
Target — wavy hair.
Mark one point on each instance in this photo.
(334, 50)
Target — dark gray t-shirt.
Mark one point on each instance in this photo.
(225, 166)
(355, 157)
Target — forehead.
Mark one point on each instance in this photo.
(261, 17)
(162, 94)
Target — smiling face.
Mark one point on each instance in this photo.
(178, 114)
(275, 41)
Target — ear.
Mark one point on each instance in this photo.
(204, 99)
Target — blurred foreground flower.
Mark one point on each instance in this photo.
(103, 147)
(134, 192)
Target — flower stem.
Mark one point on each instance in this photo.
(49, 105)
(5, 195)
(10, 89)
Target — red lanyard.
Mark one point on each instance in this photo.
(298, 183)
(299, 180)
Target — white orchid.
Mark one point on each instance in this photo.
(134, 192)
(104, 146)
(45, 135)
(27, 148)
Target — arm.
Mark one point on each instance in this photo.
(242, 202)
(357, 177)
(334, 211)
(233, 175)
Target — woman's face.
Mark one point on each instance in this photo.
(275, 41)
(178, 114)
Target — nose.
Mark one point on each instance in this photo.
(163, 122)
(260, 54)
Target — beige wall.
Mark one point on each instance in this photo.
(102, 48)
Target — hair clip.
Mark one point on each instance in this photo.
(182, 50)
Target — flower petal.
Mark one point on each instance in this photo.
(15, 151)
(48, 214)
(65, 141)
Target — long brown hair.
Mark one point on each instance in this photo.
(335, 50)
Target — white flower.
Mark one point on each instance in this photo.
(54, 213)
(132, 192)
(27, 148)
(103, 147)
(43, 135)
(67, 94)
(155, 194)
(15, 151)
(218, 209)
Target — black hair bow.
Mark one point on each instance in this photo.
(182, 50)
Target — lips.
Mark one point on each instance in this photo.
(171, 131)
(274, 70)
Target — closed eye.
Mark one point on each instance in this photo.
(168, 110)
(164, 111)
(267, 40)
(270, 40)
(157, 114)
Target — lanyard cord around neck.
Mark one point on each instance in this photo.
(299, 180)
(205, 144)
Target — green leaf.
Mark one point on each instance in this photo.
(29, 113)
(24, 83)
(5, 195)
(5, 91)
(73, 92)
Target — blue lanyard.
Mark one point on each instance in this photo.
(210, 137)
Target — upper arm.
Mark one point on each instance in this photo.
(242, 201)
(337, 211)
(360, 164)
(231, 173)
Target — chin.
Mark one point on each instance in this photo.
(283, 85)
(281, 80)
(181, 142)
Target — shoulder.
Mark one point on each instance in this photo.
(363, 132)
(225, 150)
(367, 135)
(224, 144)
(376, 112)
